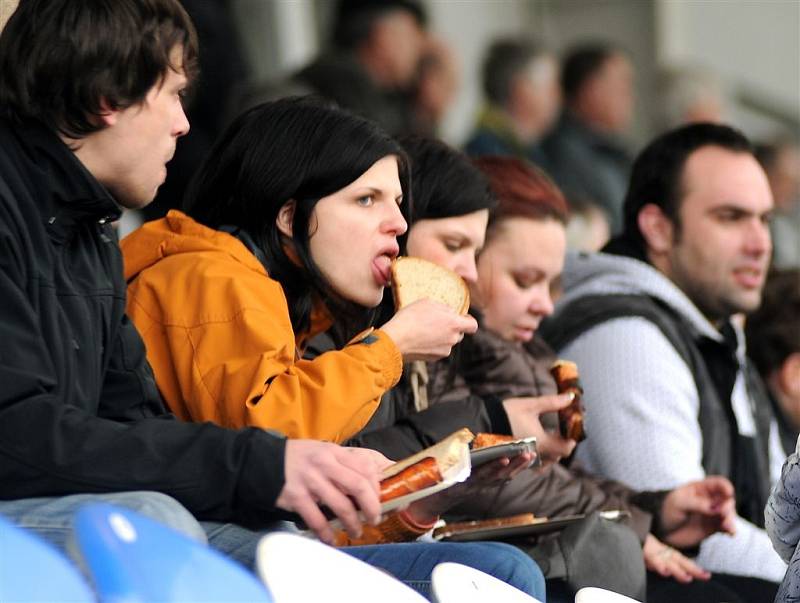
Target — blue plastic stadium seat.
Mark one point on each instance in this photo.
(33, 570)
(132, 558)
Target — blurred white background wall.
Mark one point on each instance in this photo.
(753, 45)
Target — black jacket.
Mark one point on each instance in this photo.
(79, 409)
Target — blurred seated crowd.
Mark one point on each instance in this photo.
(236, 366)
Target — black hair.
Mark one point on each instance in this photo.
(505, 60)
(354, 19)
(64, 62)
(445, 182)
(773, 331)
(657, 177)
(301, 149)
(581, 63)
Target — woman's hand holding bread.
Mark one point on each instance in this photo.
(427, 330)
(432, 304)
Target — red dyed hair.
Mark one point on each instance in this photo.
(522, 191)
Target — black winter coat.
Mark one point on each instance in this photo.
(79, 409)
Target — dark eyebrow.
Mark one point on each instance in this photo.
(371, 190)
(737, 210)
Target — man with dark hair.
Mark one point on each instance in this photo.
(91, 97)
(84, 131)
(520, 82)
(587, 155)
(376, 49)
(670, 396)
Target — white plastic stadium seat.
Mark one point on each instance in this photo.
(297, 569)
(456, 583)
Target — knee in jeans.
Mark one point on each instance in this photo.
(519, 570)
(165, 510)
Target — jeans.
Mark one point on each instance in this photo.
(411, 563)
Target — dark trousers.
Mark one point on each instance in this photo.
(721, 588)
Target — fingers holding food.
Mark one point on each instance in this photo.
(570, 418)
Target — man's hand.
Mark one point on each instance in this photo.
(427, 330)
(488, 475)
(698, 509)
(666, 561)
(523, 416)
(346, 480)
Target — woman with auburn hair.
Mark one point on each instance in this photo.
(519, 269)
(290, 228)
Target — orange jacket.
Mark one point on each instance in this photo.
(221, 344)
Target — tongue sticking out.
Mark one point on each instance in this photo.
(382, 267)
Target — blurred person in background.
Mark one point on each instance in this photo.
(773, 343)
(781, 161)
(689, 94)
(523, 99)
(437, 83)
(586, 152)
(377, 46)
(587, 229)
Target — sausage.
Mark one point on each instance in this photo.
(483, 440)
(570, 418)
(420, 475)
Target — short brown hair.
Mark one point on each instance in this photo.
(64, 62)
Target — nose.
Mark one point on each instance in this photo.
(468, 270)
(394, 223)
(758, 241)
(181, 126)
(542, 302)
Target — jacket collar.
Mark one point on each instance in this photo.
(66, 192)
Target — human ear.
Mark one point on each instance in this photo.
(107, 116)
(789, 376)
(285, 217)
(656, 228)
